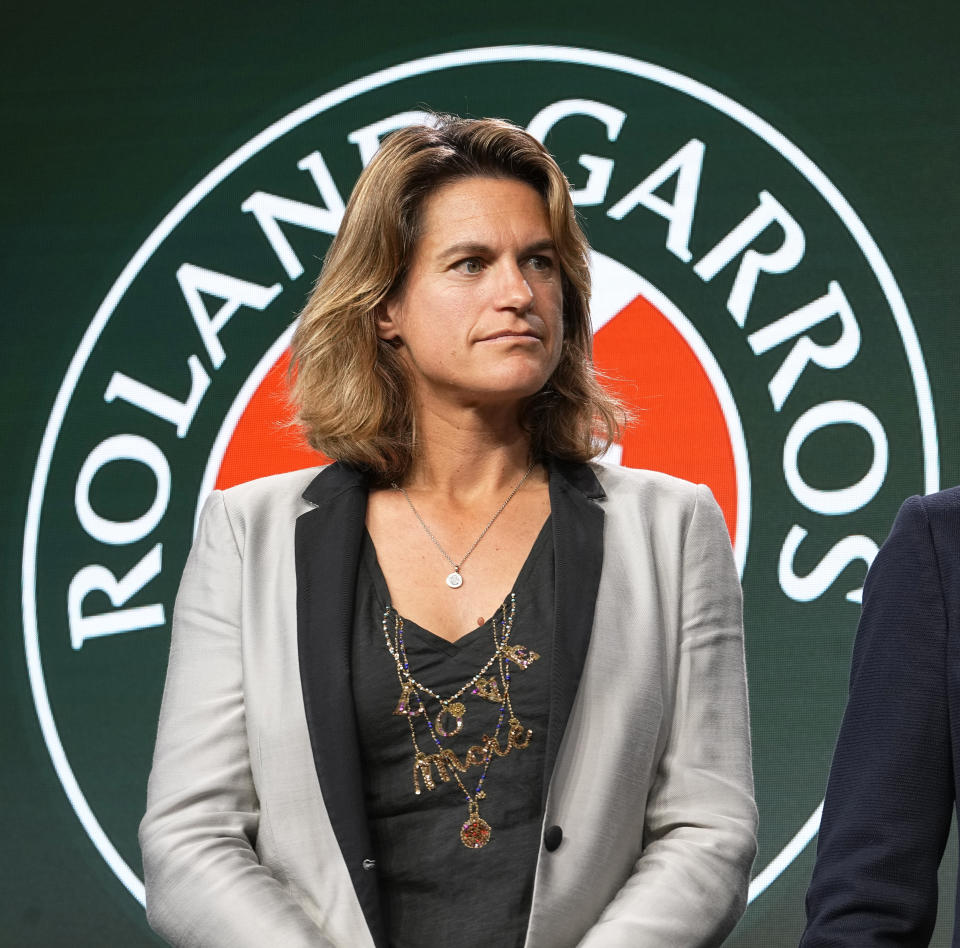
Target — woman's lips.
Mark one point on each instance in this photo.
(508, 336)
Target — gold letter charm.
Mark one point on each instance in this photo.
(521, 655)
(403, 705)
(456, 710)
(421, 768)
(488, 689)
(518, 736)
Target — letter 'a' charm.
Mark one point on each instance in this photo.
(404, 705)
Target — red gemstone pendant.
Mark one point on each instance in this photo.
(475, 833)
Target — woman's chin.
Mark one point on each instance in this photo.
(515, 393)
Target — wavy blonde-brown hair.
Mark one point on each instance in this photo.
(351, 388)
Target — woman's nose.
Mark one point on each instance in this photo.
(515, 292)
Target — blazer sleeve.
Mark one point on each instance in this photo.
(889, 799)
(204, 883)
(689, 886)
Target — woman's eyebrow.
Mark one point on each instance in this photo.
(539, 246)
(467, 248)
(476, 248)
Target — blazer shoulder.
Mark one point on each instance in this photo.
(927, 521)
(942, 509)
(928, 527)
(917, 569)
(275, 497)
(649, 500)
(648, 487)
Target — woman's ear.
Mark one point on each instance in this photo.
(387, 320)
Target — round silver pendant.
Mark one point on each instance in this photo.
(454, 580)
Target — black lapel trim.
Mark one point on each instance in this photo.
(327, 549)
(578, 557)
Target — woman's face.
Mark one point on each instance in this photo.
(481, 312)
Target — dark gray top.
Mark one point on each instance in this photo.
(434, 890)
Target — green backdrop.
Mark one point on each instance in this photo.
(111, 116)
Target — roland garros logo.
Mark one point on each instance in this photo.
(741, 307)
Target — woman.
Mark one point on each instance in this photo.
(462, 685)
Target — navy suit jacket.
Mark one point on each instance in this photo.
(893, 783)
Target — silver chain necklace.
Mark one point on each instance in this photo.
(455, 580)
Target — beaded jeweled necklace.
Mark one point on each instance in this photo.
(475, 832)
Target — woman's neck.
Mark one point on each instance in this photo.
(467, 453)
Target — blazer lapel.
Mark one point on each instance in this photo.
(327, 548)
(578, 554)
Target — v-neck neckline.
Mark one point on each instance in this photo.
(431, 639)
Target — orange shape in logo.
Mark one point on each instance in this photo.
(679, 425)
(263, 442)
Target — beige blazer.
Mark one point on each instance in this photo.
(255, 834)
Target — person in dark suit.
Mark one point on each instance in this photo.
(893, 783)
